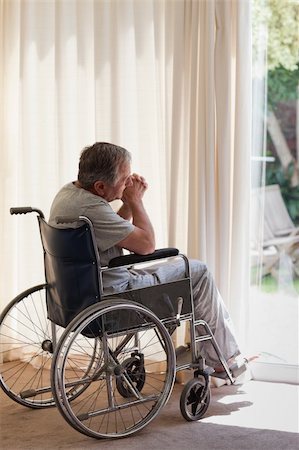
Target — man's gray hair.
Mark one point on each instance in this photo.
(101, 162)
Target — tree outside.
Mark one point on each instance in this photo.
(275, 28)
(276, 62)
(273, 306)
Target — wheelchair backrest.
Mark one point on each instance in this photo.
(72, 269)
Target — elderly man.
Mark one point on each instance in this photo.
(105, 175)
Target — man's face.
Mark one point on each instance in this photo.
(124, 179)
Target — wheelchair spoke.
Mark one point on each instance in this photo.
(129, 381)
(26, 340)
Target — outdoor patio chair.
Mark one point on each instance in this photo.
(276, 213)
(273, 233)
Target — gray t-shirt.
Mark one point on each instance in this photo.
(109, 227)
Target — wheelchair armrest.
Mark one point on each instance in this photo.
(128, 260)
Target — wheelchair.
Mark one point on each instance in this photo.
(107, 361)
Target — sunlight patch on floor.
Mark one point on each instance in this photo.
(256, 405)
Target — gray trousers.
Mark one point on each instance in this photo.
(208, 303)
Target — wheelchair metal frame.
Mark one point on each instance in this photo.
(126, 378)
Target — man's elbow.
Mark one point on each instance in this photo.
(148, 248)
(151, 250)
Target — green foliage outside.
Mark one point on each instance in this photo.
(282, 84)
(283, 87)
(270, 284)
(275, 33)
(275, 28)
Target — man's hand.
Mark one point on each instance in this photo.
(135, 190)
(142, 239)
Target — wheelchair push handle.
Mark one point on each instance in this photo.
(26, 210)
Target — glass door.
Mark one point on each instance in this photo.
(274, 292)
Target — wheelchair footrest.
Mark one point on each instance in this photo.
(236, 370)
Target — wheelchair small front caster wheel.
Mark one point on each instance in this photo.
(134, 369)
(195, 399)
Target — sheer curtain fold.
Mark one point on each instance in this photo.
(168, 80)
(225, 123)
(238, 149)
(220, 143)
(240, 280)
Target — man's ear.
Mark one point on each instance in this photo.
(99, 188)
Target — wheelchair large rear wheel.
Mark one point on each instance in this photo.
(26, 344)
(129, 380)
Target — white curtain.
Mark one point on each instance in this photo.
(170, 81)
(220, 147)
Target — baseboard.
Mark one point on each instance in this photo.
(274, 372)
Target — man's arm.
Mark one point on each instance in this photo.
(142, 238)
(125, 212)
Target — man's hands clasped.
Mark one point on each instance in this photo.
(135, 189)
